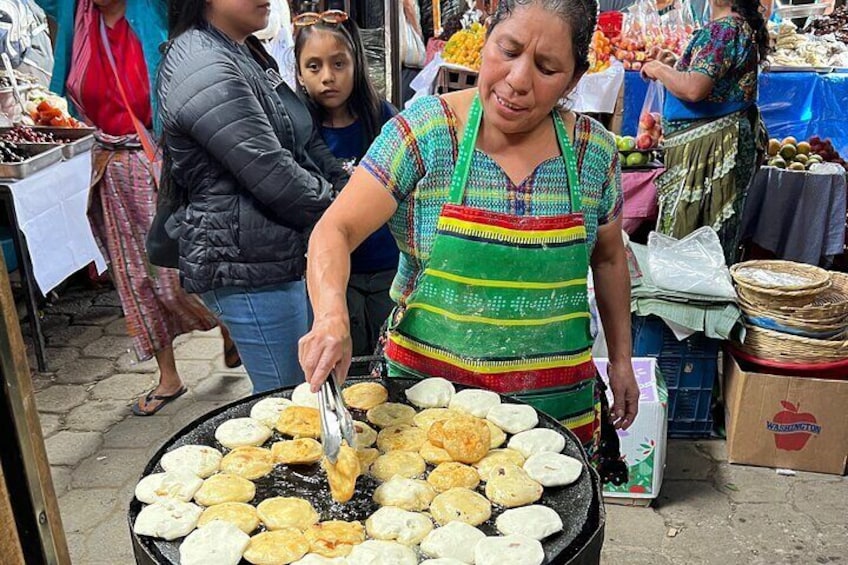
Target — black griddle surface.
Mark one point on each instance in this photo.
(579, 504)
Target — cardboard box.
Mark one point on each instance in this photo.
(644, 444)
(794, 423)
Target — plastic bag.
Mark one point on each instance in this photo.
(424, 82)
(649, 134)
(375, 56)
(693, 265)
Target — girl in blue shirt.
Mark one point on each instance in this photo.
(331, 71)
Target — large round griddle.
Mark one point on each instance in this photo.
(579, 505)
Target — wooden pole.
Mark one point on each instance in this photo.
(393, 27)
(35, 534)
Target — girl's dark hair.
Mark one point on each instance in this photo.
(753, 11)
(580, 15)
(364, 102)
(184, 15)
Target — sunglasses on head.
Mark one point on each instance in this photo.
(331, 17)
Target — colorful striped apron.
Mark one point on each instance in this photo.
(503, 303)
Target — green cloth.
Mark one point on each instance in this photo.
(716, 317)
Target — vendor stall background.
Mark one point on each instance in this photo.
(800, 104)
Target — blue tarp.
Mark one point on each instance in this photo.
(800, 104)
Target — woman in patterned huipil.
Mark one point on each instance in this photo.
(714, 137)
(123, 195)
(499, 203)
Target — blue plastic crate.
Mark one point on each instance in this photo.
(690, 368)
(7, 244)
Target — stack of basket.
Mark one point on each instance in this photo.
(794, 313)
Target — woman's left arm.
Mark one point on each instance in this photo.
(689, 86)
(612, 291)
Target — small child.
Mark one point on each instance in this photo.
(331, 70)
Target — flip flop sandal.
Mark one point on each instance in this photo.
(163, 400)
(231, 357)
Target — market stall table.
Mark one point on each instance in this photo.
(640, 197)
(800, 104)
(53, 239)
(797, 216)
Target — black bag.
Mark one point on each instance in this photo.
(162, 249)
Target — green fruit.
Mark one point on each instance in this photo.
(815, 159)
(636, 159)
(626, 143)
(788, 151)
(796, 167)
(777, 162)
(773, 147)
(801, 158)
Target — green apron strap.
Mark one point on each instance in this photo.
(469, 143)
(570, 164)
(466, 152)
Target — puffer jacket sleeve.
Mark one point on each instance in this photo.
(211, 102)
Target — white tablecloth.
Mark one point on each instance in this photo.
(51, 208)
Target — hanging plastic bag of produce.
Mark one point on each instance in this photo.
(649, 135)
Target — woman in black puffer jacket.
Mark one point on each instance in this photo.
(243, 158)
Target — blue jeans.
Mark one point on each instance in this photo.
(265, 324)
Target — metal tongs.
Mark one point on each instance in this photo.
(336, 421)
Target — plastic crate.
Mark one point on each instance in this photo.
(452, 79)
(689, 367)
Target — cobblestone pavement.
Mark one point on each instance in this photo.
(708, 512)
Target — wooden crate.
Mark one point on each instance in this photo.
(452, 79)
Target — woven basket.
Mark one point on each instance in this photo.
(786, 348)
(828, 309)
(802, 284)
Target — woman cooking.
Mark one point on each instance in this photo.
(712, 127)
(499, 204)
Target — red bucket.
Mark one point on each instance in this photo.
(836, 370)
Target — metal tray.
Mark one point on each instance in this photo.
(77, 147)
(41, 156)
(80, 140)
(66, 133)
(578, 504)
(75, 140)
(784, 69)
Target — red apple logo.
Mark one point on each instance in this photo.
(792, 429)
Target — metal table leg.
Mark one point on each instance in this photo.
(28, 280)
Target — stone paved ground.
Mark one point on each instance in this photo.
(708, 512)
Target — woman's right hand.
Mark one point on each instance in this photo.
(664, 56)
(326, 348)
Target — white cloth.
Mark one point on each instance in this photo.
(51, 207)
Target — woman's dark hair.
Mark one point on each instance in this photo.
(184, 15)
(364, 102)
(752, 11)
(580, 15)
